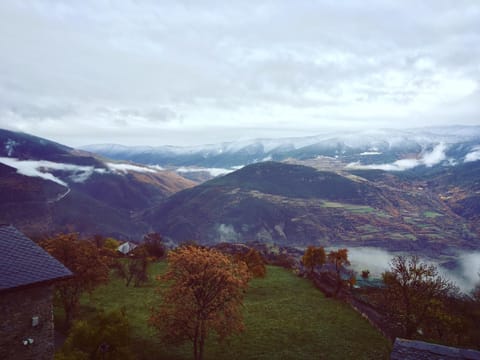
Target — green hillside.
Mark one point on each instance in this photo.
(285, 318)
(294, 205)
(297, 181)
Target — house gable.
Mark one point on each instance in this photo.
(27, 273)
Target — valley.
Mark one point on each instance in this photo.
(308, 199)
(239, 180)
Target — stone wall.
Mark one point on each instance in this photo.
(18, 312)
(325, 282)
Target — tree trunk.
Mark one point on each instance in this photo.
(195, 344)
(410, 329)
(195, 350)
(69, 307)
(68, 318)
(202, 341)
(129, 279)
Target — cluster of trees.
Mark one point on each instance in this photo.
(203, 296)
(426, 305)
(254, 261)
(414, 293)
(83, 258)
(415, 298)
(202, 291)
(91, 261)
(134, 268)
(315, 258)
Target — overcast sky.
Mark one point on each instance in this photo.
(192, 72)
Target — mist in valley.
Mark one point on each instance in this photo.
(465, 273)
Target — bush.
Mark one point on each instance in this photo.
(104, 336)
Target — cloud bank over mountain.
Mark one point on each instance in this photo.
(43, 169)
(428, 159)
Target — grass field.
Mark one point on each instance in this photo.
(349, 207)
(285, 318)
(431, 214)
(354, 209)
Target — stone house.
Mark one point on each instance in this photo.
(27, 276)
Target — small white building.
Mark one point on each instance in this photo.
(126, 247)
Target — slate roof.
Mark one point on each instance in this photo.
(404, 349)
(22, 262)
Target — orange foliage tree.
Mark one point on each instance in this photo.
(84, 260)
(339, 259)
(313, 256)
(204, 295)
(254, 261)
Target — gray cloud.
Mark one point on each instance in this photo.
(428, 159)
(195, 66)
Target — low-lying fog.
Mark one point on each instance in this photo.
(465, 275)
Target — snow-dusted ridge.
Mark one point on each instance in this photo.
(374, 147)
(354, 139)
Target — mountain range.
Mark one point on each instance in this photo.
(382, 149)
(417, 192)
(46, 187)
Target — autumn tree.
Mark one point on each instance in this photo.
(415, 293)
(284, 260)
(339, 259)
(313, 257)
(154, 245)
(134, 267)
(86, 263)
(254, 261)
(204, 295)
(98, 240)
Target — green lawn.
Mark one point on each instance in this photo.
(285, 318)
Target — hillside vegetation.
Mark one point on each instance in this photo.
(295, 205)
(285, 318)
(61, 189)
(310, 200)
